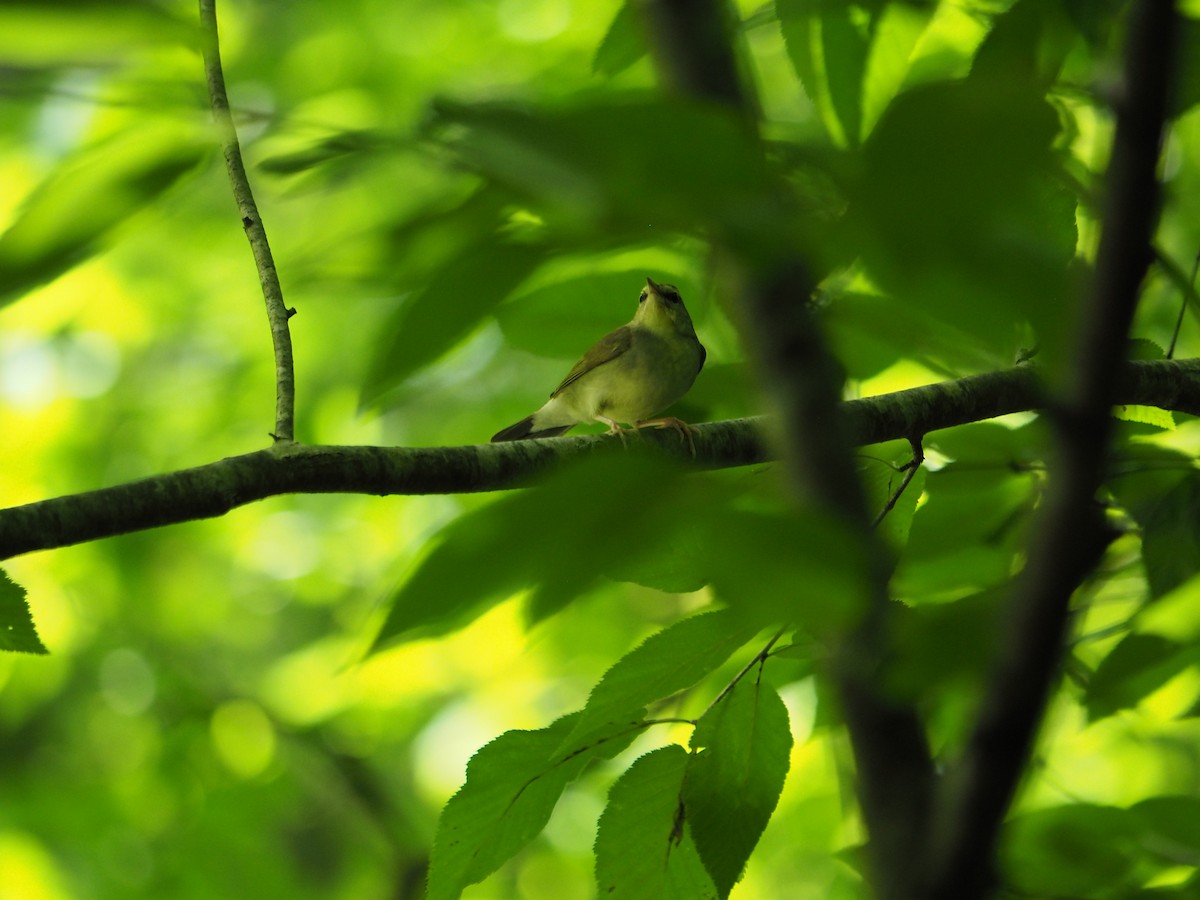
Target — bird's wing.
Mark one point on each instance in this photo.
(604, 350)
(703, 357)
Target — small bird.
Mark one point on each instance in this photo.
(630, 375)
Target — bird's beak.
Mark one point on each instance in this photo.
(650, 283)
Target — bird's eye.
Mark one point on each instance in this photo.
(672, 296)
(642, 298)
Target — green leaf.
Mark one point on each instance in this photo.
(851, 57)
(454, 301)
(81, 33)
(1185, 92)
(959, 198)
(1148, 474)
(872, 332)
(17, 631)
(1176, 616)
(1136, 667)
(882, 476)
(769, 563)
(940, 644)
(622, 46)
(1027, 42)
(561, 537)
(782, 567)
(969, 530)
(564, 318)
(665, 663)
(735, 777)
(1143, 348)
(611, 517)
(828, 43)
(897, 30)
(1147, 415)
(1079, 850)
(588, 167)
(512, 786)
(1171, 537)
(1169, 825)
(643, 849)
(332, 147)
(68, 215)
(1095, 19)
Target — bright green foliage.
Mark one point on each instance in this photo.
(622, 45)
(732, 782)
(636, 520)
(851, 57)
(461, 197)
(1084, 850)
(1076, 850)
(1136, 667)
(565, 163)
(883, 473)
(67, 217)
(644, 846)
(960, 180)
(447, 309)
(1171, 535)
(511, 788)
(17, 633)
(557, 319)
(741, 748)
(559, 540)
(671, 661)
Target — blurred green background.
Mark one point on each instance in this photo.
(205, 724)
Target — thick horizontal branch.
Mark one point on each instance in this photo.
(212, 490)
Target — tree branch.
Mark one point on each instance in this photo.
(694, 53)
(277, 311)
(215, 489)
(1071, 533)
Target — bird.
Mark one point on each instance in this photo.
(629, 375)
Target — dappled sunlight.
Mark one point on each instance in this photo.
(30, 871)
(1119, 761)
(557, 686)
(243, 738)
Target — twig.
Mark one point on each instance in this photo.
(758, 659)
(1071, 533)
(910, 470)
(1183, 302)
(277, 312)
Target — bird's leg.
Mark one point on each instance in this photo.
(684, 430)
(614, 427)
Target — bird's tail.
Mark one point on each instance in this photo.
(524, 429)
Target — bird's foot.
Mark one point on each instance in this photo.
(685, 431)
(614, 427)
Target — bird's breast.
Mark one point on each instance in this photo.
(651, 375)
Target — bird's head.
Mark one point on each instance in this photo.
(660, 308)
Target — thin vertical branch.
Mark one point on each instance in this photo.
(277, 311)
(1186, 293)
(1071, 533)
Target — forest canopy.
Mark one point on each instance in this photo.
(909, 610)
